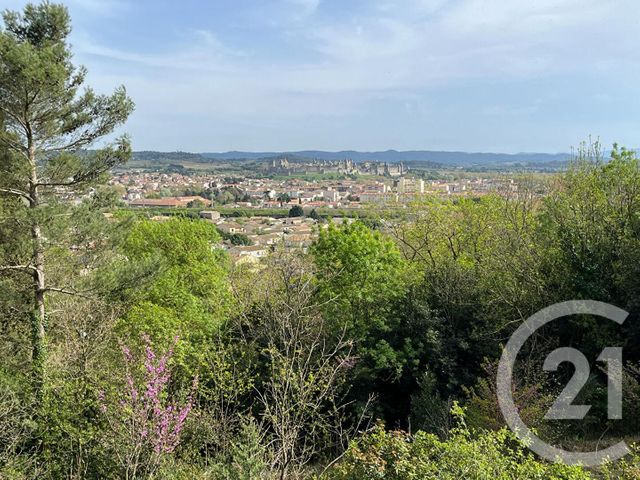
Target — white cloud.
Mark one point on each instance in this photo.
(483, 38)
(402, 49)
(204, 52)
(370, 55)
(393, 50)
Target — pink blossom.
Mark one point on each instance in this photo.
(127, 353)
(157, 421)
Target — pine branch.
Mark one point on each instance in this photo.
(14, 191)
(66, 291)
(22, 268)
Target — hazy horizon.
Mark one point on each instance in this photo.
(258, 151)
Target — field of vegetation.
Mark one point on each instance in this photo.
(132, 349)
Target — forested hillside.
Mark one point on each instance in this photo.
(134, 348)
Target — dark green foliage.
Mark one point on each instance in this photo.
(235, 238)
(239, 239)
(296, 211)
(362, 279)
(429, 411)
(196, 204)
(591, 229)
(315, 215)
(237, 213)
(247, 457)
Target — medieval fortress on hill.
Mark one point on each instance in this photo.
(282, 166)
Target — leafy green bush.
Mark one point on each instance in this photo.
(248, 457)
(627, 468)
(397, 455)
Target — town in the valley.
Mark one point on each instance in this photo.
(281, 202)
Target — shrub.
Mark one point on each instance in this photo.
(396, 455)
(145, 426)
(296, 211)
(248, 457)
(627, 468)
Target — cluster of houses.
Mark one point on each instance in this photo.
(171, 202)
(264, 234)
(176, 190)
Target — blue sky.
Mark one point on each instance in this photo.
(474, 75)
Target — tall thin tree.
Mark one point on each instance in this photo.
(48, 124)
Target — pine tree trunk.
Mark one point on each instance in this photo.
(38, 316)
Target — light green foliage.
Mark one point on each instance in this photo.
(188, 296)
(591, 229)
(407, 311)
(480, 275)
(227, 382)
(429, 411)
(248, 457)
(396, 455)
(361, 276)
(16, 426)
(481, 248)
(15, 294)
(590, 233)
(532, 395)
(626, 468)
(302, 367)
(490, 263)
(593, 220)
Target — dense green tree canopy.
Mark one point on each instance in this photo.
(188, 296)
(296, 211)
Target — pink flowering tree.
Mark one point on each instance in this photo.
(145, 424)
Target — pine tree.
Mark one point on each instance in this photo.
(47, 127)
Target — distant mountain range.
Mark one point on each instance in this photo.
(410, 157)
